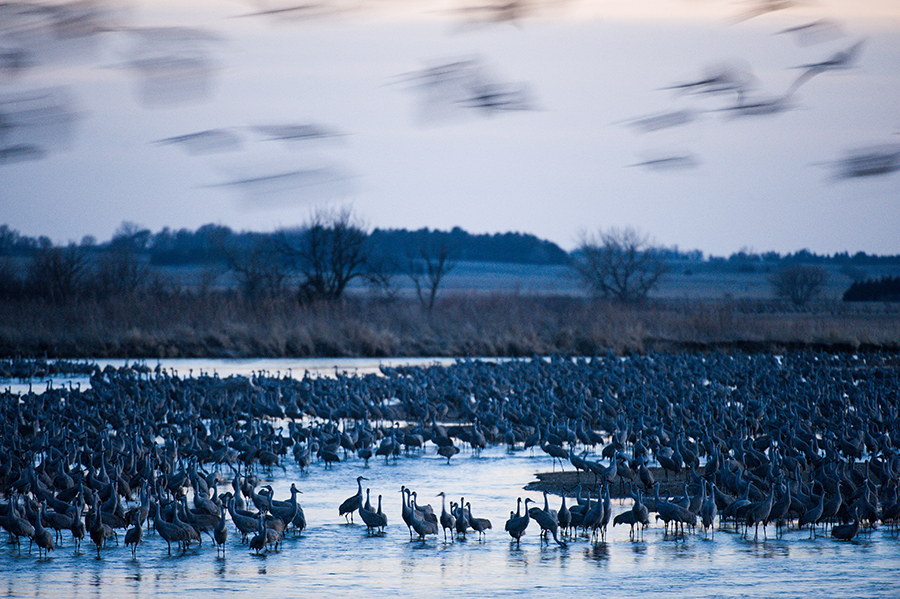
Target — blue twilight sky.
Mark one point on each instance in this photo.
(182, 113)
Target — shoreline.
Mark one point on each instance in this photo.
(52, 351)
(557, 483)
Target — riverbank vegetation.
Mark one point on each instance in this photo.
(332, 288)
(228, 325)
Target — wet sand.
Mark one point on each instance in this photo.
(566, 482)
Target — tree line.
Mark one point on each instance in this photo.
(315, 262)
(334, 249)
(208, 244)
(205, 246)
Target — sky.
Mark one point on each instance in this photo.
(179, 114)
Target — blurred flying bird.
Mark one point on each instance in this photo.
(670, 162)
(495, 12)
(871, 161)
(269, 185)
(663, 120)
(36, 118)
(152, 37)
(465, 84)
(724, 78)
(290, 10)
(295, 132)
(493, 97)
(59, 31)
(172, 79)
(843, 59)
(761, 106)
(205, 142)
(174, 65)
(815, 32)
(20, 153)
(444, 78)
(764, 105)
(762, 7)
(14, 61)
(491, 12)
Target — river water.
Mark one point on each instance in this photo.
(338, 559)
(238, 367)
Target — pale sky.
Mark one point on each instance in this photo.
(759, 182)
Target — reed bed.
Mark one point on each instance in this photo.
(226, 325)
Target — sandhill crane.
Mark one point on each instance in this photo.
(842, 59)
(18, 527)
(640, 512)
(422, 525)
(220, 532)
(812, 516)
(564, 516)
(43, 538)
(372, 518)
(351, 504)
(517, 523)
(447, 520)
(545, 521)
(168, 531)
(135, 534)
(556, 452)
(846, 532)
(758, 512)
(708, 512)
(480, 525)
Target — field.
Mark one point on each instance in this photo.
(684, 280)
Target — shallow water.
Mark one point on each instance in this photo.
(187, 367)
(338, 559)
(335, 558)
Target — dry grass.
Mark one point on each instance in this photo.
(465, 325)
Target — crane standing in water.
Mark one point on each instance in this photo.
(351, 504)
(545, 521)
(517, 523)
(448, 520)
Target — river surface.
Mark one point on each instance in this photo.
(187, 367)
(334, 558)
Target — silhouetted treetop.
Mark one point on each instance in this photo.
(518, 248)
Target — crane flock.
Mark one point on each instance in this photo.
(801, 441)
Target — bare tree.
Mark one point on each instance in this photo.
(798, 283)
(207, 279)
(58, 273)
(381, 276)
(620, 264)
(328, 252)
(427, 269)
(119, 271)
(257, 268)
